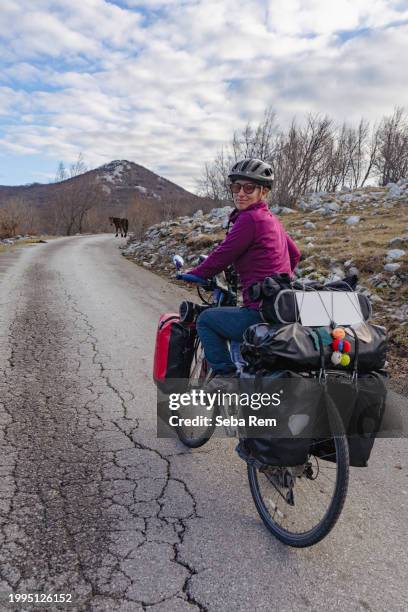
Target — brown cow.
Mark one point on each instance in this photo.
(121, 225)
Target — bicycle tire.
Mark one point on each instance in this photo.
(187, 437)
(320, 530)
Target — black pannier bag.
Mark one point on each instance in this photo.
(278, 296)
(294, 347)
(279, 452)
(284, 308)
(361, 408)
(297, 418)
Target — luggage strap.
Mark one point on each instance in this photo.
(354, 376)
(322, 373)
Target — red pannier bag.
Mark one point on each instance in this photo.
(174, 352)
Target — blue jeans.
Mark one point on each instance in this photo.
(216, 326)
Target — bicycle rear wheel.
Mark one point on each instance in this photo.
(300, 505)
(195, 436)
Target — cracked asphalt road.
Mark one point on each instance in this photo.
(93, 504)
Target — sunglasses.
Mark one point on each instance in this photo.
(247, 187)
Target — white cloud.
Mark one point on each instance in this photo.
(62, 30)
(11, 102)
(166, 89)
(299, 17)
(42, 177)
(155, 4)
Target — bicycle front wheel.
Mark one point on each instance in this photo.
(195, 435)
(300, 505)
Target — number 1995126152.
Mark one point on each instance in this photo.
(39, 598)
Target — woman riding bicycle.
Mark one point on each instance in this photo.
(257, 246)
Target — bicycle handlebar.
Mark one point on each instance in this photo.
(220, 295)
(192, 278)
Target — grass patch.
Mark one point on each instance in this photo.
(204, 240)
(22, 242)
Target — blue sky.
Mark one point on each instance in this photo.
(164, 83)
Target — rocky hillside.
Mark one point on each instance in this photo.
(120, 182)
(363, 232)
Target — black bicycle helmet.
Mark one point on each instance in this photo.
(254, 169)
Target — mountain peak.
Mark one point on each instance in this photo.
(116, 163)
(123, 184)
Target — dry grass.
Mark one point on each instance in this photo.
(204, 240)
(22, 242)
(366, 244)
(178, 232)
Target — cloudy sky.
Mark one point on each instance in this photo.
(164, 82)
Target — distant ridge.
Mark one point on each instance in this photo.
(120, 181)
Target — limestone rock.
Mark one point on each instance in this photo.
(352, 220)
(332, 207)
(394, 254)
(398, 241)
(395, 282)
(391, 267)
(394, 190)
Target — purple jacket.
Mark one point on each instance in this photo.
(257, 245)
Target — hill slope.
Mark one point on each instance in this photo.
(120, 182)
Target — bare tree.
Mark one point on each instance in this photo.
(76, 168)
(294, 156)
(61, 173)
(11, 216)
(358, 154)
(258, 141)
(30, 218)
(77, 194)
(299, 158)
(314, 155)
(141, 215)
(214, 182)
(371, 155)
(209, 183)
(73, 201)
(391, 160)
(344, 144)
(170, 209)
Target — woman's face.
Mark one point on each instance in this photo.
(242, 200)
